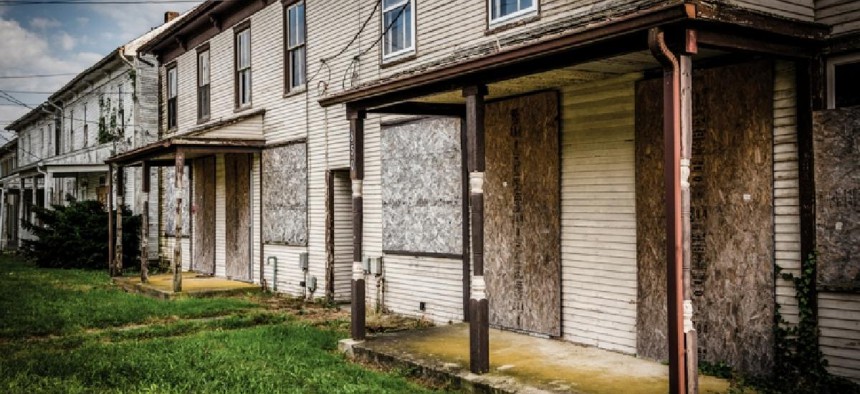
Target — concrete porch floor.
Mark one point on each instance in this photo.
(193, 285)
(518, 363)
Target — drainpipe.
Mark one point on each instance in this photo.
(677, 136)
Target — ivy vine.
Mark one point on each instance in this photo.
(107, 122)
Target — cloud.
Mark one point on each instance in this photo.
(65, 41)
(82, 20)
(134, 20)
(44, 23)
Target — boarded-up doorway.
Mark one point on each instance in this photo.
(340, 204)
(203, 216)
(522, 206)
(237, 176)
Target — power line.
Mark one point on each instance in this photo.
(34, 75)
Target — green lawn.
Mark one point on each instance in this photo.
(70, 331)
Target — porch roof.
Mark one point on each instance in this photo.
(723, 28)
(162, 153)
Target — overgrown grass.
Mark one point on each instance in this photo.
(92, 348)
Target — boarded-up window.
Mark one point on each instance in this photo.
(169, 182)
(421, 187)
(285, 195)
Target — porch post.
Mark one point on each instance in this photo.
(677, 136)
(144, 226)
(479, 325)
(120, 191)
(49, 180)
(356, 151)
(110, 219)
(177, 235)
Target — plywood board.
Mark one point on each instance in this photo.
(522, 214)
(203, 213)
(285, 195)
(422, 198)
(238, 215)
(836, 136)
(731, 216)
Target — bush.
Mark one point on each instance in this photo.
(76, 235)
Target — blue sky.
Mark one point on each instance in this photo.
(64, 38)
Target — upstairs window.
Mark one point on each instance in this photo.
(506, 10)
(296, 45)
(203, 83)
(172, 90)
(71, 130)
(86, 127)
(398, 17)
(243, 67)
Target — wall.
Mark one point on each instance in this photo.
(794, 9)
(843, 15)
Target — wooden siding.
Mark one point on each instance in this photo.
(343, 247)
(220, 217)
(839, 322)
(842, 15)
(598, 214)
(794, 9)
(411, 280)
(288, 273)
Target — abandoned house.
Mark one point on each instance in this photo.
(629, 175)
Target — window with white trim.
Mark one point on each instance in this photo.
(398, 17)
(203, 83)
(507, 10)
(172, 90)
(243, 67)
(843, 81)
(296, 45)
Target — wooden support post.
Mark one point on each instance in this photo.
(177, 240)
(111, 233)
(49, 182)
(809, 77)
(120, 194)
(479, 310)
(144, 226)
(690, 336)
(674, 228)
(356, 151)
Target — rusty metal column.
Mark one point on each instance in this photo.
(356, 166)
(144, 226)
(177, 235)
(110, 219)
(677, 242)
(120, 192)
(479, 311)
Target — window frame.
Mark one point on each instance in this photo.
(831, 74)
(288, 51)
(237, 72)
(204, 88)
(71, 144)
(534, 10)
(172, 118)
(405, 52)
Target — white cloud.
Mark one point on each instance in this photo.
(82, 20)
(133, 20)
(65, 41)
(44, 23)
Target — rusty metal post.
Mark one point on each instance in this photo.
(177, 240)
(144, 226)
(356, 151)
(479, 323)
(674, 227)
(120, 194)
(110, 219)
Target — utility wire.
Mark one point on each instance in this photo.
(35, 75)
(356, 58)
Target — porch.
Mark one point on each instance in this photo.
(518, 363)
(193, 285)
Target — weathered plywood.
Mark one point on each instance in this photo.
(421, 187)
(836, 136)
(731, 220)
(203, 212)
(285, 195)
(170, 203)
(238, 175)
(522, 214)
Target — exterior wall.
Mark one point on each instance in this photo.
(599, 268)
(842, 15)
(220, 217)
(411, 280)
(839, 322)
(794, 9)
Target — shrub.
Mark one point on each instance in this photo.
(76, 235)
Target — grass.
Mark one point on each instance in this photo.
(70, 331)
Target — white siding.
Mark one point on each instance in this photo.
(343, 247)
(598, 208)
(411, 280)
(220, 217)
(256, 236)
(795, 9)
(843, 15)
(839, 322)
(288, 275)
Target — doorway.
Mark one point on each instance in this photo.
(237, 178)
(203, 216)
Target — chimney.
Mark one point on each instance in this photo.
(170, 15)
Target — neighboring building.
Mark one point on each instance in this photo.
(10, 192)
(548, 116)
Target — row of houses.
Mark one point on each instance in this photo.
(630, 175)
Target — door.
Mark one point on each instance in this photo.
(522, 214)
(340, 192)
(238, 215)
(203, 216)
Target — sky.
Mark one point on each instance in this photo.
(64, 39)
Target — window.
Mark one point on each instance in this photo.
(506, 10)
(172, 88)
(398, 17)
(86, 127)
(243, 67)
(203, 84)
(71, 130)
(843, 81)
(121, 110)
(296, 45)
